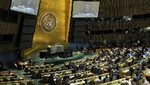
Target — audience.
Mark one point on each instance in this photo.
(146, 81)
(51, 79)
(109, 65)
(127, 81)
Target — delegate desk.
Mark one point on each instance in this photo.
(115, 82)
(7, 73)
(146, 72)
(126, 70)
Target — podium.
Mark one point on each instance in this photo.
(55, 49)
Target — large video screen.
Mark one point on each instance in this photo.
(25, 6)
(85, 9)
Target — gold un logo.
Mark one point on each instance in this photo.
(47, 22)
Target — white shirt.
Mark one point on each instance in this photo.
(146, 82)
(127, 81)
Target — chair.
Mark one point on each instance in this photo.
(39, 74)
(45, 79)
(114, 77)
(26, 69)
(6, 79)
(34, 75)
(42, 67)
(13, 83)
(32, 67)
(91, 82)
(37, 67)
(22, 83)
(47, 66)
(99, 82)
(46, 70)
(124, 83)
(12, 79)
(128, 73)
(30, 83)
(107, 80)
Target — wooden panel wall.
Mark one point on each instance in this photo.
(9, 28)
(92, 26)
(111, 21)
(114, 8)
(118, 37)
(5, 4)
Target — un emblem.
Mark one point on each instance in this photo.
(47, 22)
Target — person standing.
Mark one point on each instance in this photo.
(51, 79)
(23, 3)
(30, 4)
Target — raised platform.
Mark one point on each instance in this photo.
(57, 60)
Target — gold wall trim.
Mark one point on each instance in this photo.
(62, 11)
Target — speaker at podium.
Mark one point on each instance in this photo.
(55, 49)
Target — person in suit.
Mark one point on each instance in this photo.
(128, 81)
(131, 70)
(87, 11)
(23, 3)
(58, 81)
(146, 81)
(118, 74)
(30, 4)
(86, 82)
(51, 79)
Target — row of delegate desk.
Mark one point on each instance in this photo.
(46, 70)
(11, 78)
